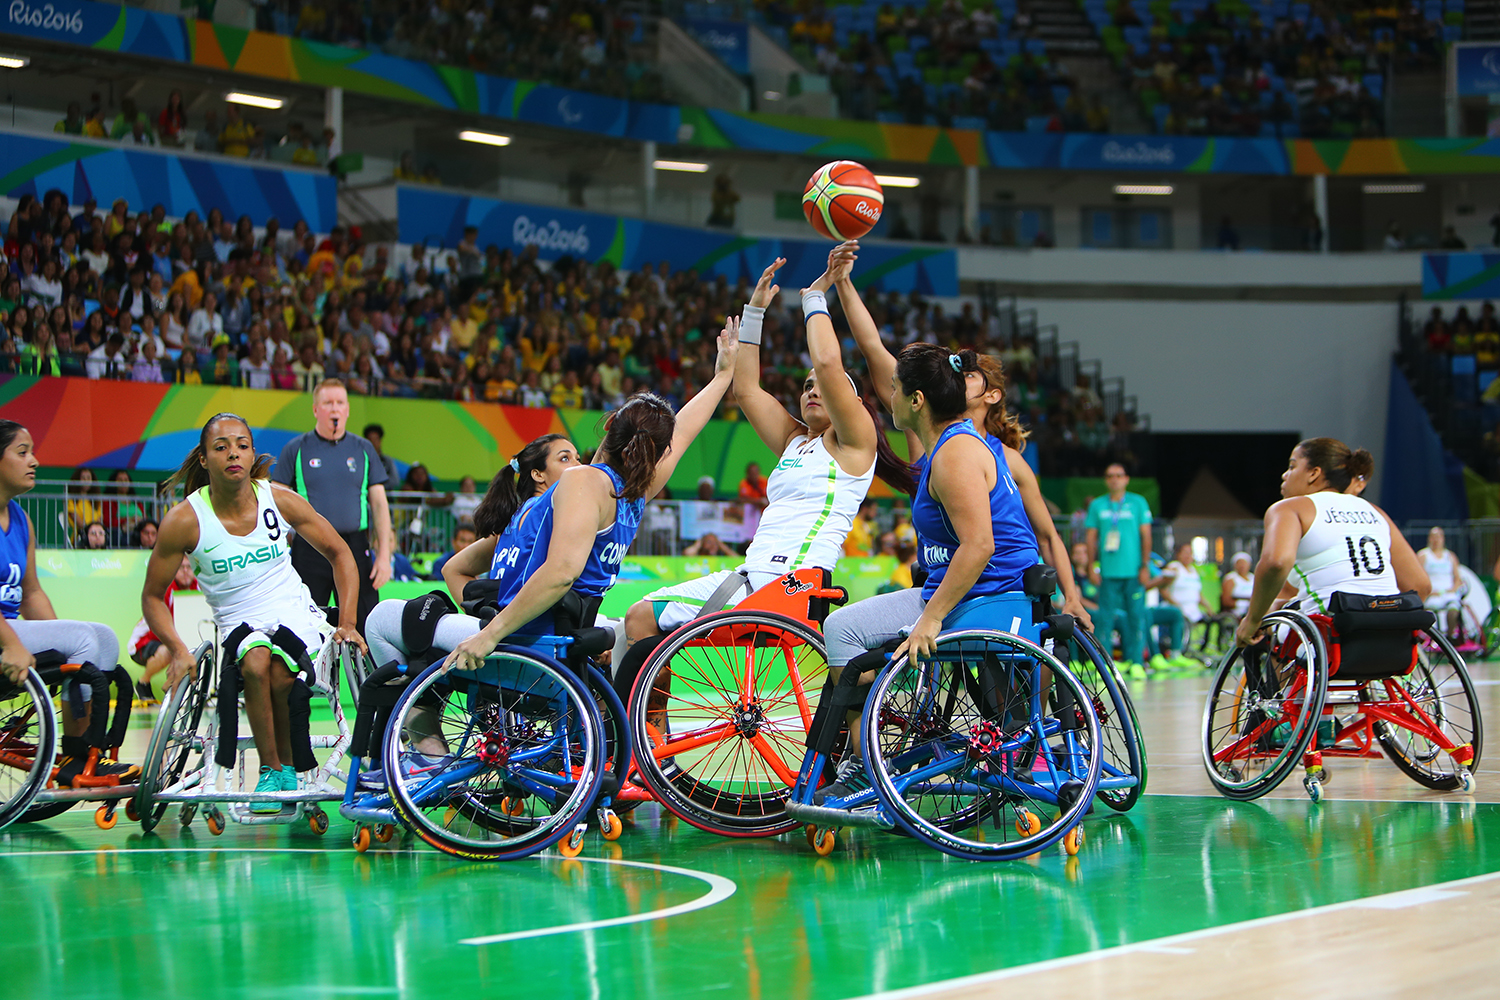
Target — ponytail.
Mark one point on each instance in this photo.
(1340, 465)
(512, 486)
(894, 472)
(192, 475)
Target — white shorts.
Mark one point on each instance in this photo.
(1448, 600)
(680, 603)
(313, 634)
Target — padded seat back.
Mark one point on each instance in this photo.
(1375, 637)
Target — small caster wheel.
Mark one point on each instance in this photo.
(131, 813)
(1466, 781)
(572, 845)
(384, 832)
(610, 826)
(1073, 841)
(1314, 788)
(317, 821)
(215, 821)
(105, 818)
(362, 839)
(185, 815)
(812, 834)
(824, 842)
(1028, 823)
(512, 806)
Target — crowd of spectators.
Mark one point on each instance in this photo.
(582, 44)
(1315, 70)
(230, 134)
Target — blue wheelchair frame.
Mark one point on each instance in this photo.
(377, 807)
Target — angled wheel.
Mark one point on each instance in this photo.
(1437, 697)
(1263, 707)
(177, 740)
(28, 744)
(988, 750)
(521, 728)
(1123, 775)
(723, 705)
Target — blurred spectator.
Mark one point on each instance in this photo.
(72, 122)
(131, 121)
(122, 510)
(83, 505)
(862, 534)
(234, 138)
(753, 486)
(143, 535)
(375, 434)
(725, 197)
(463, 537)
(708, 545)
(95, 537)
(706, 488)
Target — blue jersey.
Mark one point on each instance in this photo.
(1015, 542)
(13, 548)
(522, 548)
(920, 465)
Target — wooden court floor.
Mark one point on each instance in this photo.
(1383, 889)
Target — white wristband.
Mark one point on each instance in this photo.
(813, 302)
(750, 323)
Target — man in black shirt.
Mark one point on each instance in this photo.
(343, 478)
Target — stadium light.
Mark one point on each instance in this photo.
(13, 62)
(486, 138)
(1395, 188)
(1151, 189)
(681, 166)
(897, 181)
(254, 100)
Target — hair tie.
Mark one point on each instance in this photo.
(956, 362)
(515, 464)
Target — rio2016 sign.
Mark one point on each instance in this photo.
(80, 22)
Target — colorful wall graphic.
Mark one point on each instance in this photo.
(279, 57)
(438, 218)
(182, 183)
(126, 425)
(1460, 275)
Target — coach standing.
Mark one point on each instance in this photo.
(1119, 537)
(342, 476)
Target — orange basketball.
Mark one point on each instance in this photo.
(842, 200)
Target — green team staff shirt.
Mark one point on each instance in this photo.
(335, 476)
(1122, 521)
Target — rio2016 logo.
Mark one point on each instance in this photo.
(867, 210)
(46, 17)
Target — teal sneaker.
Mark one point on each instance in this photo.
(270, 781)
(288, 778)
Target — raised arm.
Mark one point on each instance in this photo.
(866, 334)
(314, 527)
(695, 414)
(175, 538)
(852, 425)
(772, 423)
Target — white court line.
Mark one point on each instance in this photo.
(1175, 943)
(719, 887)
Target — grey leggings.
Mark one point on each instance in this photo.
(870, 623)
(383, 632)
(78, 642)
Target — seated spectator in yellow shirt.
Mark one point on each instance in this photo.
(568, 394)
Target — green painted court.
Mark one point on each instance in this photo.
(670, 911)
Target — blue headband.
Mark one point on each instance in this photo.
(956, 362)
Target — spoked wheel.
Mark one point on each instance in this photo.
(988, 750)
(176, 739)
(1123, 773)
(728, 698)
(1437, 697)
(1263, 706)
(463, 748)
(28, 744)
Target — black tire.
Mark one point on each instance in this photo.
(729, 788)
(28, 744)
(528, 706)
(1123, 749)
(176, 737)
(1263, 707)
(1430, 686)
(977, 753)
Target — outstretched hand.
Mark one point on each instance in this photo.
(841, 261)
(766, 288)
(729, 346)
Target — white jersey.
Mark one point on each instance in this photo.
(811, 504)
(1241, 590)
(1348, 548)
(248, 579)
(1186, 590)
(1439, 570)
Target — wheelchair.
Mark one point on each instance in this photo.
(196, 757)
(975, 749)
(29, 731)
(1372, 677)
(720, 709)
